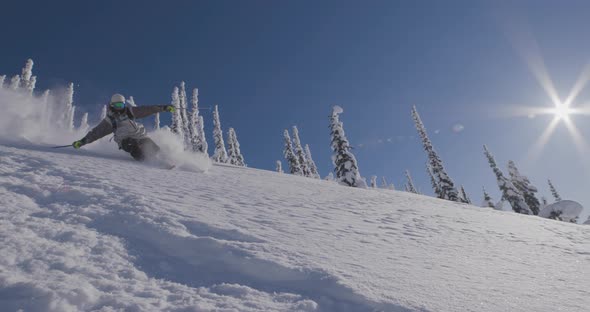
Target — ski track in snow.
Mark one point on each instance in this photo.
(84, 233)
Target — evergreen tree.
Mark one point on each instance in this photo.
(587, 221)
(2, 78)
(446, 185)
(410, 183)
(466, 198)
(544, 202)
(523, 184)
(84, 123)
(300, 153)
(186, 128)
(197, 127)
(433, 182)
(157, 121)
(313, 169)
(131, 102)
(292, 159)
(177, 126)
(15, 83)
(487, 200)
(509, 192)
(329, 177)
(554, 191)
(374, 181)
(27, 80)
(235, 155)
(103, 113)
(220, 154)
(280, 167)
(70, 109)
(346, 167)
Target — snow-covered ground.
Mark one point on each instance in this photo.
(86, 232)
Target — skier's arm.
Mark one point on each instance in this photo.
(144, 111)
(103, 129)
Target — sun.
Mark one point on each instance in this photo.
(562, 112)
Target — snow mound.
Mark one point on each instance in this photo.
(565, 210)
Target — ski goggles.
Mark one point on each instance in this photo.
(118, 105)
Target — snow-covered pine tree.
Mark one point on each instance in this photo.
(433, 181)
(197, 128)
(446, 185)
(374, 181)
(329, 177)
(410, 183)
(220, 154)
(186, 128)
(27, 80)
(280, 167)
(554, 191)
(70, 109)
(234, 153)
(487, 200)
(177, 126)
(466, 198)
(587, 221)
(84, 124)
(131, 101)
(544, 202)
(2, 78)
(157, 121)
(509, 192)
(346, 167)
(103, 113)
(300, 153)
(313, 169)
(523, 184)
(292, 159)
(15, 82)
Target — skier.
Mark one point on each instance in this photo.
(129, 134)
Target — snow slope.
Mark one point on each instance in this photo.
(82, 232)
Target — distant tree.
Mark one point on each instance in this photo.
(384, 183)
(313, 169)
(446, 185)
(157, 121)
(70, 109)
(523, 184)
(374, 181)
(544, 201)
(235, 155)
(553, 191)
(329, 177)
(220, 154)
(186, 129)
(464, 196)
(346, 166)
(292, 159)
(280, 167)
(27, 80)
(103, 112)
(433, 182)
(177, 126)
(487, 200)
(587, 221)
(15, 83)
(131, 102)
(84, 123)
(197, 126)
(410, 183)
(300, 153)
(509, 192)
(2, 78)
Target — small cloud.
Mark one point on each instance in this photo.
(437, 131)
(389, 140)
(458, 128)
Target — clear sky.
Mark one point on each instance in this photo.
(274, 64)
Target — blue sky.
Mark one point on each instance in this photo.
(274, 64)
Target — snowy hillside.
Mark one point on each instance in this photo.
(83, 232)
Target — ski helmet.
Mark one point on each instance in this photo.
(117, 102)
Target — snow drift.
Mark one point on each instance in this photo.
(87, 233)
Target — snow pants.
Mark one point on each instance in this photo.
(140, 149)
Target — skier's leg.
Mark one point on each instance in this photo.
(132, 146)
(148, 148)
